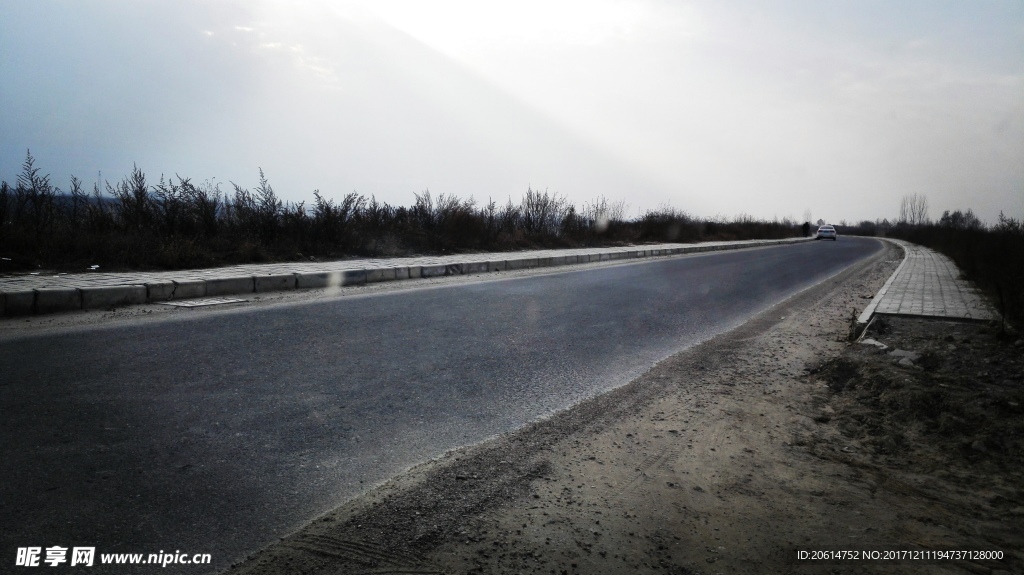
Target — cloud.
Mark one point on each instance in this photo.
(775, 107)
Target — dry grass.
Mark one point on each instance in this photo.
(174, 224)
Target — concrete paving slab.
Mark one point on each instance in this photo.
(927, 284)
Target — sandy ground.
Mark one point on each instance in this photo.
(730, 457)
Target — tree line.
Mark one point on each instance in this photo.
(989, 255)
(176, 223)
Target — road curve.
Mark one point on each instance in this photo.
(217, 433)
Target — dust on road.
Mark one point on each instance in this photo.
(729, 457)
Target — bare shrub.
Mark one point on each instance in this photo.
(133, 204)
(542, 213)
(175, 223)
(914, 209)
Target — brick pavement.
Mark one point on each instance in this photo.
(928, 284)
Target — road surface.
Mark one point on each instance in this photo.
(222, 430)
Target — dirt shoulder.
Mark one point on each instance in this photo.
(729, 457)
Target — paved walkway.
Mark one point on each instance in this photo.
(928, 284)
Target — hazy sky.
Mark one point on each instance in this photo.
(770, 108)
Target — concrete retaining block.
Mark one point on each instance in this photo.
(189, 289)
(374, 275)
(433, 271)
(112, 296)
(18, 303)
(545, 262)
(159, 291)
(53, 300)
(401, 273)
(475, 267)
(453, 269)
(353, 277)
(312, 280)
(229, 286)
(274, 282)
(415, 272)
(496, 266)
(521, 264)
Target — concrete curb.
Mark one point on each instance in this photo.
(112, 296)
(869, 312)
(55, 300)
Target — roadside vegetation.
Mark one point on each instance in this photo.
(174, 223)
(989, 255)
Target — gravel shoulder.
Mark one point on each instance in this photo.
(729, 457)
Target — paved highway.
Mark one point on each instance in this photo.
(222, 430)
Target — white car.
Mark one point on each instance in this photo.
(826, 232)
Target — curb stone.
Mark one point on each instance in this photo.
(54, 300)
(112, 296)
(932, 291)
(865, 317)
(189, 289)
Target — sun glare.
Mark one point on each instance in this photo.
(457, 27)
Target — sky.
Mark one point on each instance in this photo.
(770, 108)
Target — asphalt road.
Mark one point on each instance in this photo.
(219, 432)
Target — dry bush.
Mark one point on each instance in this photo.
(174, 223)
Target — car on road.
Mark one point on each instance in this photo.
(826, 232)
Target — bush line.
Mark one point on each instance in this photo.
(176, 224)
